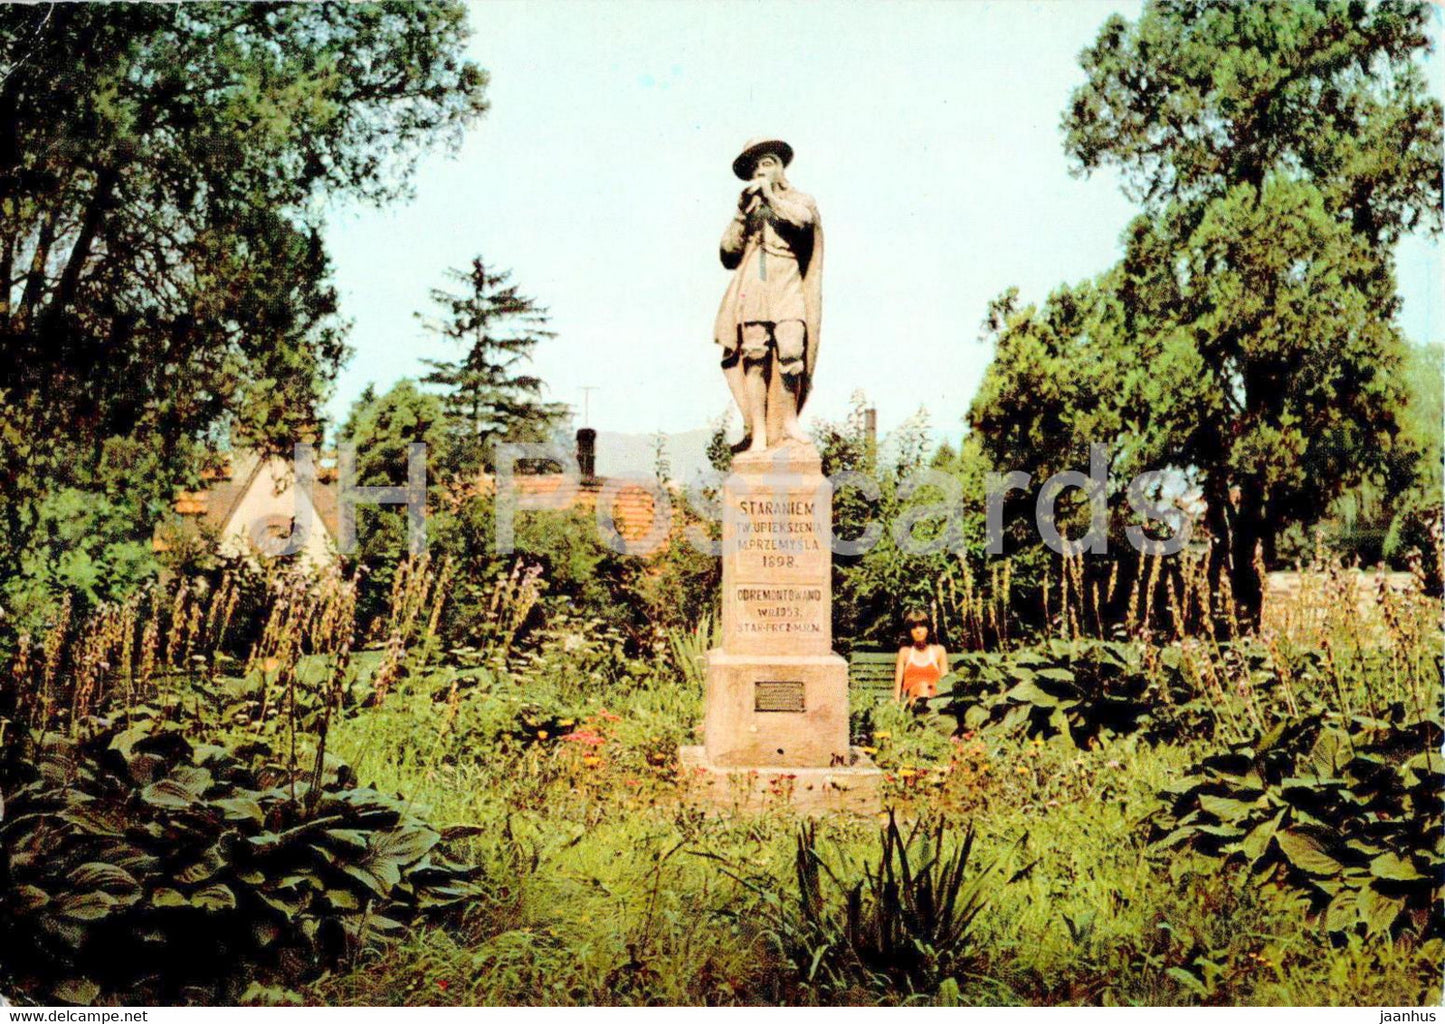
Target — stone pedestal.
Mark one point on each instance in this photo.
(777, 695)
(852, 789)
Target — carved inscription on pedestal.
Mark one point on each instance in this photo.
(777, 566)
(779, 610)
(776, 537)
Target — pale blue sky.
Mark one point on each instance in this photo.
(927, 132)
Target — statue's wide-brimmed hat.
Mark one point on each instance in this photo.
(754, 148)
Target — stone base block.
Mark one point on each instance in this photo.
(776, 711)
(854, 788)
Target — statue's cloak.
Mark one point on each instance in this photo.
(808, 246)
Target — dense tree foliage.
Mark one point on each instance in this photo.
(1247, 339)
(163, 169)
(379, 430)
(559, 550)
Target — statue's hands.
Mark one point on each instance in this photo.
(755, 193)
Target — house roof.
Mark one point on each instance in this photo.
(633, 504)
(213, 507)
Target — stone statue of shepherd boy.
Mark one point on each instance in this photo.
(770, 317)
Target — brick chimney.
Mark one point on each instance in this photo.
(870, 427)
(587, 452)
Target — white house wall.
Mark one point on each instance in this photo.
(271, 497)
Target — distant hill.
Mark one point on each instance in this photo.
(621, 454)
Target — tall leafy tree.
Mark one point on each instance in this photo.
(163, 171)
(1416, 516)
(1248, 336)
(1372, 519)
(488, 394)
(380, 428)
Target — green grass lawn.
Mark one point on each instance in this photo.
(607, 886)
(1080, 822)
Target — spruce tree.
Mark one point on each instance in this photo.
(487, 394)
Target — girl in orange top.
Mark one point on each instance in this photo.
(921, 664)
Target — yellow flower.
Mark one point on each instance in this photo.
(541, 734)
(1022, 770)
(869, 750)
(566, 722)
(591, 761)
(907, 773)
(882, 734)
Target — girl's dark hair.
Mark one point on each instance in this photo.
(916, 617)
